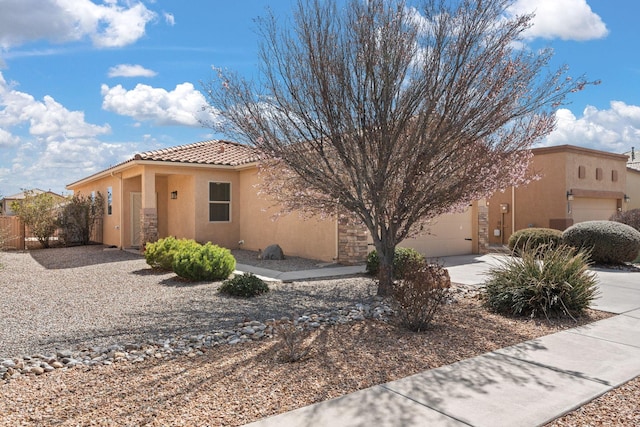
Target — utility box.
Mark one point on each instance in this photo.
(504, 207)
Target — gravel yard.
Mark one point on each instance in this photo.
(80, 296)
(64, 298)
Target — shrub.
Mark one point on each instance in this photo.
(245, 285)
(552, 282)
(197, 262)
(609, 242)
(160, 254)
(79, 217)
(401, 258)
(631, 218)
(38, 212)
(420, 293)
(292, 340)
(534, 238)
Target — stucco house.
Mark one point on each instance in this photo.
(5, 202)
(207, 191)
(576, 184)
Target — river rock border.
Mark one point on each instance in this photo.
(194, 345)
(189, 345)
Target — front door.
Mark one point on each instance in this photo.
(136, 206)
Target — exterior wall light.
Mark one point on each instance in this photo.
(174, 195)
(627, 199)
(569, 195)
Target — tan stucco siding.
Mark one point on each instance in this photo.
(585, 173)
(311, 238)
(111, 223)
(179, 218)
(633, 189)
(224, 234)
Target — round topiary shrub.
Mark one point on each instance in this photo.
(203, 262)
(609, 242)
(245, 285)
(534, 238)
(160, 254)
(401, 259)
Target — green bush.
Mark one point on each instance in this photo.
(420, 293)
(160, 254)
(401, 259)
(552, 282)
(246, 285)
(609, 242)
(198, 262)
(631, 218)
(534, 238)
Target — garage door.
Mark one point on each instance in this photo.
(591, 209)
(449, 235)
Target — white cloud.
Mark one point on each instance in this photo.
(130, 70)
(616, 129)
(7, 139)
(182, 106)
(46, 145)
(565, 19)
(107, 25)
(47, 119)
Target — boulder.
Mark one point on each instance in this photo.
(273, 252)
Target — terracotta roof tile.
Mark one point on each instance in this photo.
(213, 152)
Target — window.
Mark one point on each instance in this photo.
(219, 201)
(582, 172)
(614, 176)
(599, 174)
(109, 200)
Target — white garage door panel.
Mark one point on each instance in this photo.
(591, 209)
(448, 236)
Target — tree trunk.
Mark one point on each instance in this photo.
(385, 271)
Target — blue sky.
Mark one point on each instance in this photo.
(86, 84)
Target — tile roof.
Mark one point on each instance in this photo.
(212, 152)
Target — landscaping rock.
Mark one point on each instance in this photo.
(273, 252)
(190, 345)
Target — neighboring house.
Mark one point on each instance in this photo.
(207, 191)
(576, 184)
(633, 161)
(5, 203)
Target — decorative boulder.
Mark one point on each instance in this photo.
(273, 252)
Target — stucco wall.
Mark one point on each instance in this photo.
(633, 189)
(539, 202)
(312, 238)
(111, 223)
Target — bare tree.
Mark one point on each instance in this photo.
(392, 113)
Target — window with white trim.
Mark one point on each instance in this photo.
(219, 201)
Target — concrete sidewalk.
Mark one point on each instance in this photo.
(528, 384)
(290, 276)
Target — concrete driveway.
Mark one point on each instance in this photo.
(619, 289)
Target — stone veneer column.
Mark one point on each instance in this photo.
(352, 242)
(483, 229)
(148, 226)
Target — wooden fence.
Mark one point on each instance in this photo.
(15, 236)
(12, 233)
